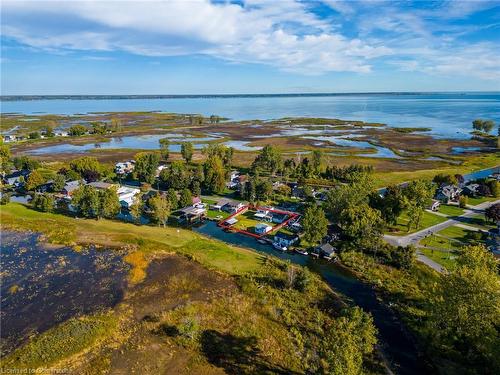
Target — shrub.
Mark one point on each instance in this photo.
(463, 201)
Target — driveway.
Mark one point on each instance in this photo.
(414, 238)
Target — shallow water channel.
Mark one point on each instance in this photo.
(397, 344)
(43, 286)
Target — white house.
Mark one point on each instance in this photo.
(126, 195)
(284, 239)
(125, 167)
(262, 228)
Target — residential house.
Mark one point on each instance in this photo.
(47, 186)
(125, 167)
(447, 193)
(217, 206)
(233, 206)
(190, 214)
(70, 187)
(126, 195)
(283, 239)
(262, 228)
(264, 213)
(61, 133)
(9, 138)
(471, 190)
(100, 185)
(279, 218)
(16, 178)
(159, 169)
(326, 250)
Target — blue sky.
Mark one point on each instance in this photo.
(254, 46)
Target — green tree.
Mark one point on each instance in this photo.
(160, 209)
(58, 183)
(314, 223)
(172, 199)
(43, 202)
(176, 176)
(86, 201)
(268, 159)
(418, 197)
(494, 186)
(164, 148)
(316, 160)
(146, 164)
(25, 162)
(98, 128)
(34, 135)
(187, 151)
(35, 179)
(49, 130)
(77, 130)
(186, 198)
(477, 124)
(215, 174)
(264, 190)
(85, 165)
(196, 188)
(362, 224)
(349, 195)
(136, 208)
(346, 341)
(488, 126)
(404, 257)
(5, 155)
(466, 310)
(109, 204)
(463, 201)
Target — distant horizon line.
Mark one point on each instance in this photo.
(194, 96)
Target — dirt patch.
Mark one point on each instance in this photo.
(172, 281)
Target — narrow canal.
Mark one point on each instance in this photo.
(397, 344)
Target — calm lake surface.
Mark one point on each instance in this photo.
(447, 114)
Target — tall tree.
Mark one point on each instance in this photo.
(160, 209)
(146, 164)
(187, 151)
(35, 179)
(172, 199)
(59, 182)
(186, 198)
(215, 174)
(268, 159)
(314, 224)
(362, 224)
(466, 310)
(316, 160)
(109, 204)
(43, 202)
(165, 148)
(347, 341)
(136, 208)
(86, 201)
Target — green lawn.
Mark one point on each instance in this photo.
(479, 221)
(479, 200)
(428, 220)
(444, 258)
(451, 210)
(66, 230)
(246, 221)
(213, 214)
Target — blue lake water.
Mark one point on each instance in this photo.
(447, 114)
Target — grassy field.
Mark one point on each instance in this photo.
(65, 230)
(62, 341)
(451, 210)
(471, 164)
(428, 220)
(479, 200)
(444, 258)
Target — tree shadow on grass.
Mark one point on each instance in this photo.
(236, 355)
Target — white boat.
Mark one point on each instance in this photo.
(279, 247)
(301, 252)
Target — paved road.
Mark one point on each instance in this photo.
(414, 238)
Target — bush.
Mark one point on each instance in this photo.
(5, 199)
(43, 202)
(463, 201)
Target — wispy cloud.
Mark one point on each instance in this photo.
(356, 36)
